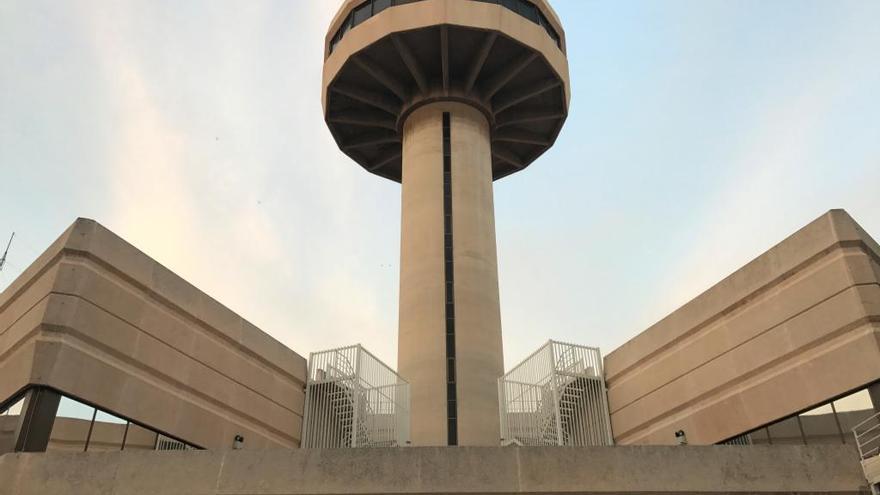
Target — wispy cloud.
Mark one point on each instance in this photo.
(268, 234)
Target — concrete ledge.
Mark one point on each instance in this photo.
(421, 470)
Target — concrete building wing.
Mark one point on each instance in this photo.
(97, 320)
(792, 329)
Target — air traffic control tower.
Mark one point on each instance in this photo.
(446, 96)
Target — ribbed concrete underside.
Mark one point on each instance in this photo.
(496, 470)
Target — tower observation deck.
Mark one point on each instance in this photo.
(446, 96)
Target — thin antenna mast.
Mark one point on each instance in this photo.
(3, 259)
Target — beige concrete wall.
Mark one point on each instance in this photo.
(793, 328)
(422, 344)
(496, 470)
(479, 350)
(818, 428)
(99, 320)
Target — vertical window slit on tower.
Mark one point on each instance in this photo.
(451, 393)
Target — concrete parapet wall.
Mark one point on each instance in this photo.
(97, 319)
(423, 470)
(794, 328)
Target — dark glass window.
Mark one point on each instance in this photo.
(786, 431)
(346, 24)
(9, 418)
(139, 438)
(362, 13)
(13, 409)
(853, 409)
(525, 9)
(108, 432)
(74, 426)
(370, 8)
(542, 20)
(828, 423)
(759, 437)
(380, 5)
(452, 429)
(451, 412)
(450, 370)
(821, 426)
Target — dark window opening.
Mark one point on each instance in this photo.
(361, 14)
(50, 420)
(452, 426)
(368, 9)
(451, 410)
(380, 5)
(449, 296)
(828, 423)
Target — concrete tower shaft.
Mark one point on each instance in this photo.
(446, 96)
(450, 322)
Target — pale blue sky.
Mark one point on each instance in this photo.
(700, 134)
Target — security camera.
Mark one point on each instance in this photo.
(681, 438)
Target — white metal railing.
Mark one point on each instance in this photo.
(744, 439)
(168, 443)
(556, 396)
(867, 435)
(354, 400)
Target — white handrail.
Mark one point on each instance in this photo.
(869, 418)
(862, 443)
